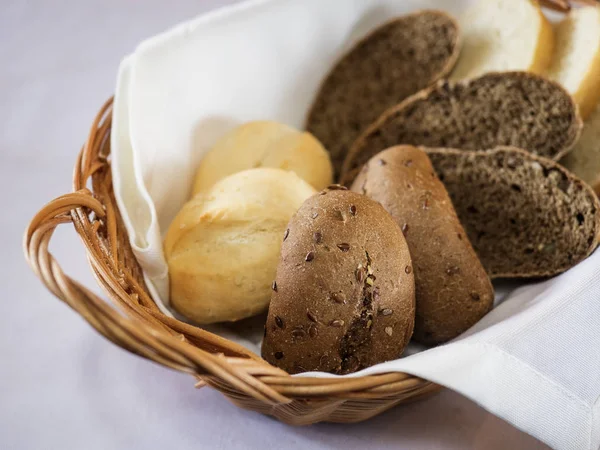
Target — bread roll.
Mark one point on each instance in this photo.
(223, 246)
(344, 294)
(265, 144)
(453, 290)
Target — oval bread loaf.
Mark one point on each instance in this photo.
(344, 297)
(513, 108)
(453, 290)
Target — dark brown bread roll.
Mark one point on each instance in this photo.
(394, 61)
(526, 216)
(453, 290)
(510, 108)
(344, 296)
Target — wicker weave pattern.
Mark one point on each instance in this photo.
(135, 323)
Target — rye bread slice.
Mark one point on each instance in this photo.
(511, 108)
(393, 62)
(525, 215)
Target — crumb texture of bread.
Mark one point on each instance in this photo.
(453, 290)
(526, 216)
(344, 295)
(576, 60)
(503, 35)
(393, 62)
(584, 159)
(511, 108)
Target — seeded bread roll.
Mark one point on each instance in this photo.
(526, 216)
(344, 296)
(513, 108)
(453, 290)
(394, 61)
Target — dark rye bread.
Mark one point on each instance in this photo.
(512, 108)
(453, 290)
(394, 61)
(344, 295)
(526, 216)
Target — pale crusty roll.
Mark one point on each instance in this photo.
(265, 144)
(222, 248)
(504, 35)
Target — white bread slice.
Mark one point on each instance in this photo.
(584, 159)
(504, 35)
(576, 60)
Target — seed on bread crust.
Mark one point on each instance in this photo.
(444, 306)
(332, 304)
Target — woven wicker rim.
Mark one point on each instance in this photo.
(134, 322)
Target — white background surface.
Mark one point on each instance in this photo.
(61, 384)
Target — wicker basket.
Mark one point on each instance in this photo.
(137, 325)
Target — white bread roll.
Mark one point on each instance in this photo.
(223, 247)
(576, 61)
(504, 35)
(265, 144)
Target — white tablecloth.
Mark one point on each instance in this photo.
(61, 384)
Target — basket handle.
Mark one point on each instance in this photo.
(134, 336)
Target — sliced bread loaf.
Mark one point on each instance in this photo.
(501, 35)
(576, 60)
(525, 215)
(394, 61)
(512, 108)
(584, 159)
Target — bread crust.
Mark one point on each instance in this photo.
(587, 94)
(453, 291)
(545, 46)
(223, 246)
(265, 144)
(344, 296)
(489, 42)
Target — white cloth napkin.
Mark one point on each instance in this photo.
(534, 360)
